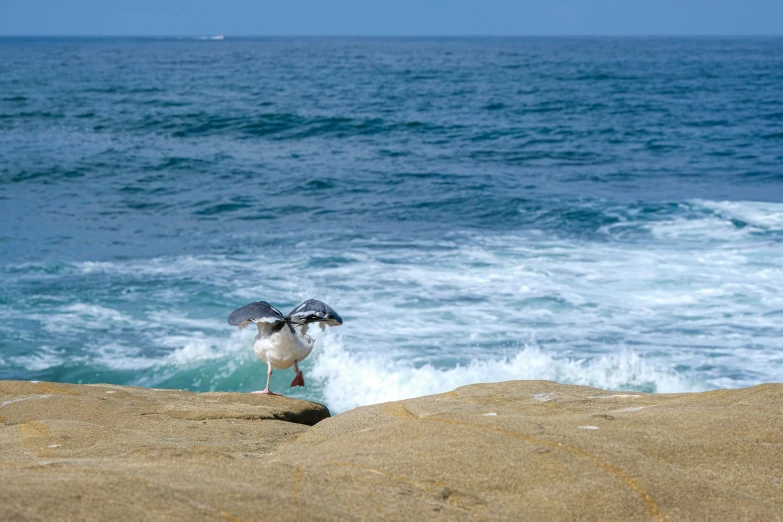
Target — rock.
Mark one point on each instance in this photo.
(69, 420)
(520, 450)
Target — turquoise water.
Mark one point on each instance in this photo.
(601, 211)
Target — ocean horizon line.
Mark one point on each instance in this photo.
(390, 36)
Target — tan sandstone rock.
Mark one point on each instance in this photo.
(520, 450)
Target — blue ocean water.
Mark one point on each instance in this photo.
(602, 211)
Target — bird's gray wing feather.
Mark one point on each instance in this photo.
(258, 312)
(314, 311)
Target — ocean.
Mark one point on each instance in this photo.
(598, 211)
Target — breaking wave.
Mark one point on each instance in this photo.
(350, 379)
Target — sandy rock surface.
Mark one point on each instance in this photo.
(519, 450)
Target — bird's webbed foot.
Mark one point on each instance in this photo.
(267, 392)
(298, 380)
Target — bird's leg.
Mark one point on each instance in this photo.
(266, 391)
(299, 379)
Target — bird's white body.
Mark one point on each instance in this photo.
(282, 340)
(284, 347)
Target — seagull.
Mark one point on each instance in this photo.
(282, 341)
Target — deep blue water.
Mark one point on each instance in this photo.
(605, 211)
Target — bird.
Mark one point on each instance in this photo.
(282, 340)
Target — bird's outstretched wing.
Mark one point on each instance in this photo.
(258, 312)
(314, 311)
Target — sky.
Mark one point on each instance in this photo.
(390, 18)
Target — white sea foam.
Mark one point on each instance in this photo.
(185, 323)
(697, 229)
(156, 266)
(42, 358)
(720, 220)
(758, 214)
(121, 357)
(189, 350)
(76, 317)
(353, 379)
(185, 351)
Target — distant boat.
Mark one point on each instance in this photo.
(217, 37)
